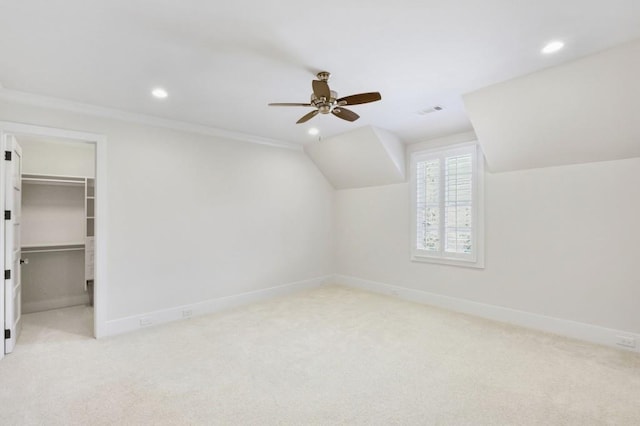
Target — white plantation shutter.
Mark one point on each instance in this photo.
(446, 203)
(428, 200)
(458, 203)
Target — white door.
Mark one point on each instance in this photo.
(12, 214)
(2, 167)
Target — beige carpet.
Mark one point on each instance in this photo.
(327, 356)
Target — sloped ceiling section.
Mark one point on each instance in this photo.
(583, 111)
(364, 157)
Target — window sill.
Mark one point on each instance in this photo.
(477, 264)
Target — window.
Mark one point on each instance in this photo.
(447, 220)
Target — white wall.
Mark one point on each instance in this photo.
(560, 242)
(53, 280)
(194, 217)
(56, 157)
(52, 214)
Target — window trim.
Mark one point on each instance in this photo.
(476, 260)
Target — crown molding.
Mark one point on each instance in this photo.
(131, 117)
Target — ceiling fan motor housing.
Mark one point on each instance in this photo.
(324, 105)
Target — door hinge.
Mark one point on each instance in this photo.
(7, 155)
(7, 274)
(7, 334)
(7, 215)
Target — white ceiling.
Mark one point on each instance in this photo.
(582, 111)
(222, 62)
(363, 157)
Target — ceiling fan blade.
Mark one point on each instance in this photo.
(360, 98)
(345, 114)
(321, 89)
(288, 104)
(308, 116)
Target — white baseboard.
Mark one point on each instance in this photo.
(568, 328)
(61, 302)
(124, 325)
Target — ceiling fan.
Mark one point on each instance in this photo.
(326, 101)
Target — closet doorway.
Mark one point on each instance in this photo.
(58, 219)
(58, 216)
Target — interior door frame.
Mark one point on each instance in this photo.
(101, 212)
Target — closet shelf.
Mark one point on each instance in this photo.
(52, 247)
(53, 180)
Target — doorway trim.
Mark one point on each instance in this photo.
(101, 220)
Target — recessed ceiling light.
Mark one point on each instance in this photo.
(313, 131)
(159, 93)
(552, 47)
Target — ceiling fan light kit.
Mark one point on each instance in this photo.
(326, 101)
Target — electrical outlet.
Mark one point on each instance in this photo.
(187, 313)
(626, 341)
(145, 322)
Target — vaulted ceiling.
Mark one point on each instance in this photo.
(222, 62)
(579, 112)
